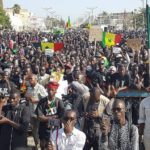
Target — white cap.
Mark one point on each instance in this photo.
(118, 55)
(112, 68)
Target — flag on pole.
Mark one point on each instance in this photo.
(68, 24)
(58, 46)
(47, 45)
(110, 39)
(52, 46)
(118, 38)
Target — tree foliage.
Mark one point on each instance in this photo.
(4, 19)
(16, 9)
(139, 18)
(54, 22)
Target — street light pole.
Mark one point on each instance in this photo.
(51, 12)
(143, 6)
(92, 12)
(89, 17)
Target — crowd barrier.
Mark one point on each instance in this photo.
(133, 93)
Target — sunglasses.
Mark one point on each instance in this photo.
(69, 118)
(117, 109)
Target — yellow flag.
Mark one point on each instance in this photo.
(109, 39)
(47, 45)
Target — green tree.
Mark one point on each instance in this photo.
(4, 19)
(140, 18)
(1, 3)
(16, 9)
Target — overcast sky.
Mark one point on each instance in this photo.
(75, 8)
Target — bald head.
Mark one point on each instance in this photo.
(33, 80)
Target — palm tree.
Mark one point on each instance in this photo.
(16, 9)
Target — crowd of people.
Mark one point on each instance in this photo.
(71, 100)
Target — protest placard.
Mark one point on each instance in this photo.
(95, 34)
(134, 44)
(49, 52)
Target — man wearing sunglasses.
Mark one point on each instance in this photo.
(68, 137)
(119, 134)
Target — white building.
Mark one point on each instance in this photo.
(25, 20)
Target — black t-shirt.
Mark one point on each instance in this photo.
(10, 135)
(108, 78)
(99, 78)
(120, 81)
(92, 125)
(146, 80)
(56, 107)
(16, 80)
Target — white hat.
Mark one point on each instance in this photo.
(118, 55)
(112, 68)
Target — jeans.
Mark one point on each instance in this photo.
(93, 139)
(92, 144)
(35, 125)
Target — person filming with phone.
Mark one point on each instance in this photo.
(119, 133)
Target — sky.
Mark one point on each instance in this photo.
(75, 8)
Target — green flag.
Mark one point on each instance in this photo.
(148, 24)
(68, 25)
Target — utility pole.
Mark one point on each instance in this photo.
(88, 17)
(143, 6)
(92, 14)
(51, 12)
(143, 3)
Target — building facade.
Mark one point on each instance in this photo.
(123, 20)
(25, 20)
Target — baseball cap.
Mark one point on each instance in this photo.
(53, 85)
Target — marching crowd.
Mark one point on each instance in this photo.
(70, 100)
